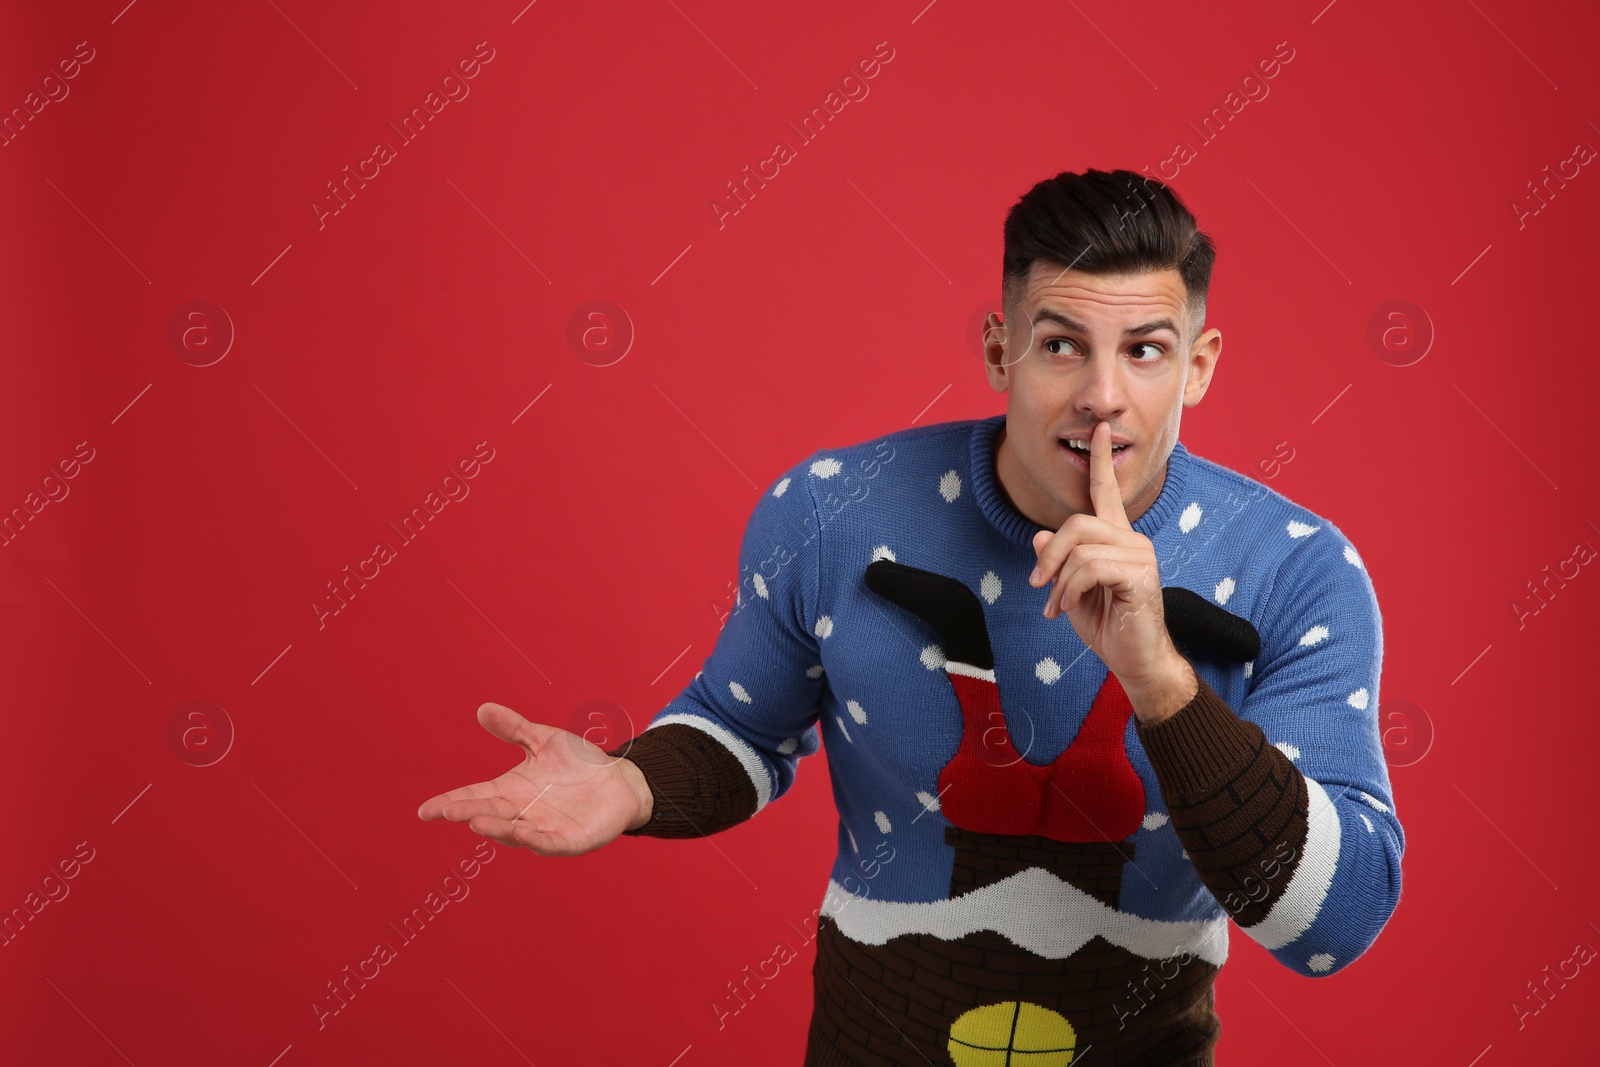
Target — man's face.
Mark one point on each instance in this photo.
(1085, 348)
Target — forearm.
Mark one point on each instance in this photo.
(1239, 805)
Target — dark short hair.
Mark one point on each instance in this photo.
(1106, 222)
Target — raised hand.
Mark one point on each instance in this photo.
(566, 797)
(1107, 579)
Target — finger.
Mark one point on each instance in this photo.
(1103, 489)
(1122, 556)
(495, 830)
(501, 721)
(1041, 541)
(1131, 579)
(466, 809)
(433, 807)
(521, 834)
(507, 725)
(1055, 603)
(1054, 548)
(1101, 573)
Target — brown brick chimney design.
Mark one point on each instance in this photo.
(907, 1001)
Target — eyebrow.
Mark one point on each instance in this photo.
(1142, 330)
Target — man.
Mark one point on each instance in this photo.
(1044, 828)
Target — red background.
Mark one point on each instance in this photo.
(590, 560)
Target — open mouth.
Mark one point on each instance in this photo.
(1080, 456)
(1075, 449)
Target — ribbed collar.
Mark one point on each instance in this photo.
(1018, 527)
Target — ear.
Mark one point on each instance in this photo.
(1202, 363)
(996, 363)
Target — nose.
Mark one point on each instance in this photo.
(1101, 391)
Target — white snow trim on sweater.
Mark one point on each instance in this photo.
(1033, 908)
(733, 743)
(955, 666)
(1303, 897)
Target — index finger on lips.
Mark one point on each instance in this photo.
(1103, 489)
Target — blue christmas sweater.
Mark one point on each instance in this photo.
(1024, 870)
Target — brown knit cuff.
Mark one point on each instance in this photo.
(697, 787)
(1201, 744)
(1238, 804)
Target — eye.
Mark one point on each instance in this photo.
(1155, 352)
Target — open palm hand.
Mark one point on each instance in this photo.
(566, 797)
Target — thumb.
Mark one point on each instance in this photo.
(507, 725)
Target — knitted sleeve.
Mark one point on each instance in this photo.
(1285, 808)
(731, 741)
